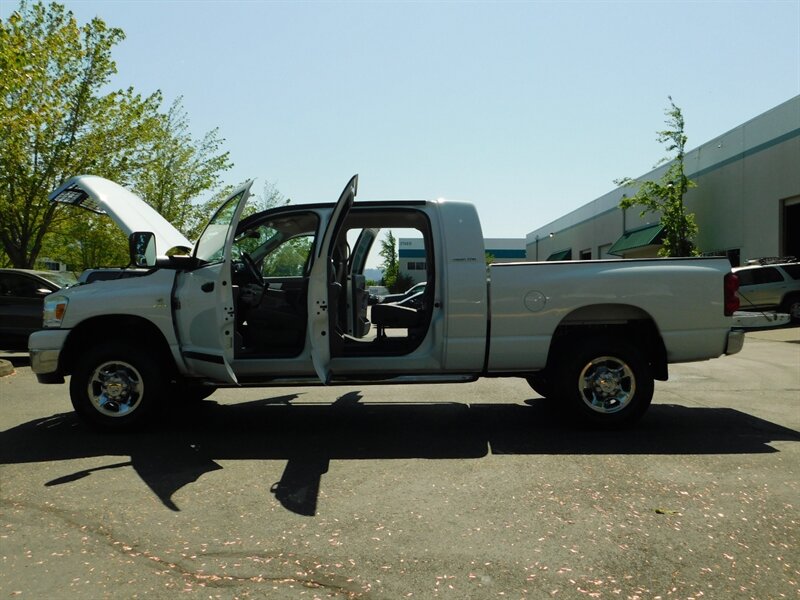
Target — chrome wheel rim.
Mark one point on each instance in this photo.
(607, 384)
(116, 389)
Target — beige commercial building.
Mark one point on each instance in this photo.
(746, 203)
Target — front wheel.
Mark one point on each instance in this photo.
(116, 386)
(606, 382)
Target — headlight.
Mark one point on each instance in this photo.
(55, 307)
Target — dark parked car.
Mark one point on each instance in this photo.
(22, 293)
(412, 291)
(109, 273)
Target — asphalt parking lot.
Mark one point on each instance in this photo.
(452, 491)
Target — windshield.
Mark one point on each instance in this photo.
(211, 245)
(60, 279)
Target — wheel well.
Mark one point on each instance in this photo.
(128, 328)
(789, 298)
(625, 322)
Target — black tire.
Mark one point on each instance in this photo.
(791, 306)
(117, 386)
(606, 382)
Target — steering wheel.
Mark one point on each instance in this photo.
(252, 270)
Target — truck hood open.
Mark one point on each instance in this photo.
(125, 208)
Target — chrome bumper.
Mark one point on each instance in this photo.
(735, 341)
(45, 350)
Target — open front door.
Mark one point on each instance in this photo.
(321, 279)
(204, 303)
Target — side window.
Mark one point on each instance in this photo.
(793, 271)
(18, 286)
(745, 277)
(768, 275)
(211, 244)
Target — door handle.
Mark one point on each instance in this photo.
(208, 286)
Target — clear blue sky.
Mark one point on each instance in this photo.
(527, 109)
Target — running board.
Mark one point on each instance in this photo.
(377, 380)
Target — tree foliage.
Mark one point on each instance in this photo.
(290, 259)
(55, 120)
(390, 265)
(393, 279)
(58, 119)
(180, 169)
(666, 196)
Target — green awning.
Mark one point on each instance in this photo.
(561, 255)
(649, 235)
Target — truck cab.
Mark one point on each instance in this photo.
(274, 297)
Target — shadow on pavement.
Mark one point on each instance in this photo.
(18, 360)
(190, 437)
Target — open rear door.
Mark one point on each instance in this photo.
(204, 304)
(320, 281)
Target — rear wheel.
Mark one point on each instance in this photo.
(606, 382)
(116, 386)
(791, 306)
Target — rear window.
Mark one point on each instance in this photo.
(759, 276)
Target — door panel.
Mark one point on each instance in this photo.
(321, 286)
(204, 307)
(206, 321)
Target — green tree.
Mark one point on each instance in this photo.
(177, 170)
(84, 240)
(289, 260)
(390, 265)
(180, 169)
(393, 279)
(57, 121)
(270, 197)
(666, 196)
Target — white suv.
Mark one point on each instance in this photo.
(770, 284)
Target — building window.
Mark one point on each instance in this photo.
(586, 254)
(417, 266)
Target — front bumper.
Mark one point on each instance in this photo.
(735, 341)
(45, 351)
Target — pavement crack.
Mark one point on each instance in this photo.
(105, 535)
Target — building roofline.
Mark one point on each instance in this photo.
(714, 154)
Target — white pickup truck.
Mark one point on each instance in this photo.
(278, 298)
